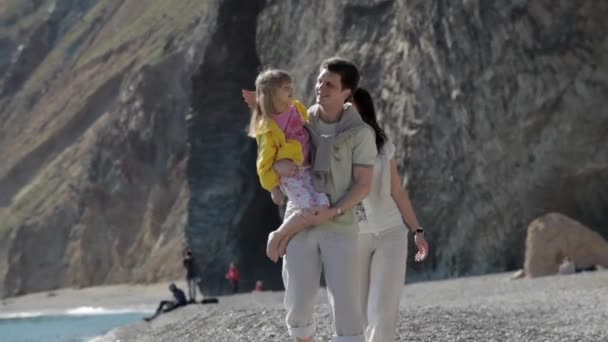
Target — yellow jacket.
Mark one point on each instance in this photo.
(273, 146)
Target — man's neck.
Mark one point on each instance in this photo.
(331, 114)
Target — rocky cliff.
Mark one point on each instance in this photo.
(122, 129)
(498, 110)
(93, 141)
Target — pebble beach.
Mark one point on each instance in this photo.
(483, 308)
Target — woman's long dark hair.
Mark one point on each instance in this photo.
(365, 107)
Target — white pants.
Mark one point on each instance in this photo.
(382, 259)
(337, 253)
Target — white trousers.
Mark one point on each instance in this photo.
(382, 260)
(337, 253)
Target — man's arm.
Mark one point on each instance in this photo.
(362, 182)
(364, 156)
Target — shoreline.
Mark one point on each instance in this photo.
(89, 300)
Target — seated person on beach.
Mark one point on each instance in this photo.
(568, 266)
(179, 299)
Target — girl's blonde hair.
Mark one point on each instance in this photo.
(266, 85)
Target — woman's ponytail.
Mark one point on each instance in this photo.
(365, 106)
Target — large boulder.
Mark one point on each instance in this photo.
(554, 237)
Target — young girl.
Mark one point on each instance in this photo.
(277, 123)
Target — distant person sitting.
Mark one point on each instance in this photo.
(192, 277)
(233, 277)
(567, 266)
(179, 299)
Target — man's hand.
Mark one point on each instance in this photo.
(249, 98)
(278, 197)
(316, 216)
(285, 168)
(423, 247)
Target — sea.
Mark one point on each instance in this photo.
(82, 324)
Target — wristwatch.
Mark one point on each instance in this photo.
(418, 231)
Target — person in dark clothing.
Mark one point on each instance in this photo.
(179, 299)
(192, 277)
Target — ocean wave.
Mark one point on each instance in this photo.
(15, 315)
(78, 311)
(92, 310)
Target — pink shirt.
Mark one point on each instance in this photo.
(292, 125)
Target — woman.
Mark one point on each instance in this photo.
(383, 235)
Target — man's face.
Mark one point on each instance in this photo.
(329, 89)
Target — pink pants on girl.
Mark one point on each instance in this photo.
(300, 190)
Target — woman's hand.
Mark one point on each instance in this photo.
(423, 247)
(249, 98)
(285, 168)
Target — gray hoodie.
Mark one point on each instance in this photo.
(327, 147)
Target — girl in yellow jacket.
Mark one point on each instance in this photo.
(277, 124)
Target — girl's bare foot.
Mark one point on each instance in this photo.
(272, 247)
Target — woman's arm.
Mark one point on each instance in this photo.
(401, 198)
(404, 204)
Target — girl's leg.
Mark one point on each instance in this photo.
(277, 240)
(318, 199)
(295, 189)
(300, 197)
(387, 276)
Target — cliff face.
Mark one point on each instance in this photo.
(93, 142)
(122, 128)
(229, 215)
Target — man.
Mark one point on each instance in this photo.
(179, 299)
(344, 154)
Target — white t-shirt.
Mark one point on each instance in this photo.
(381, 212)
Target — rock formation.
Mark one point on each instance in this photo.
(554, 237)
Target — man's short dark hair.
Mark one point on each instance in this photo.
(349, 74)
